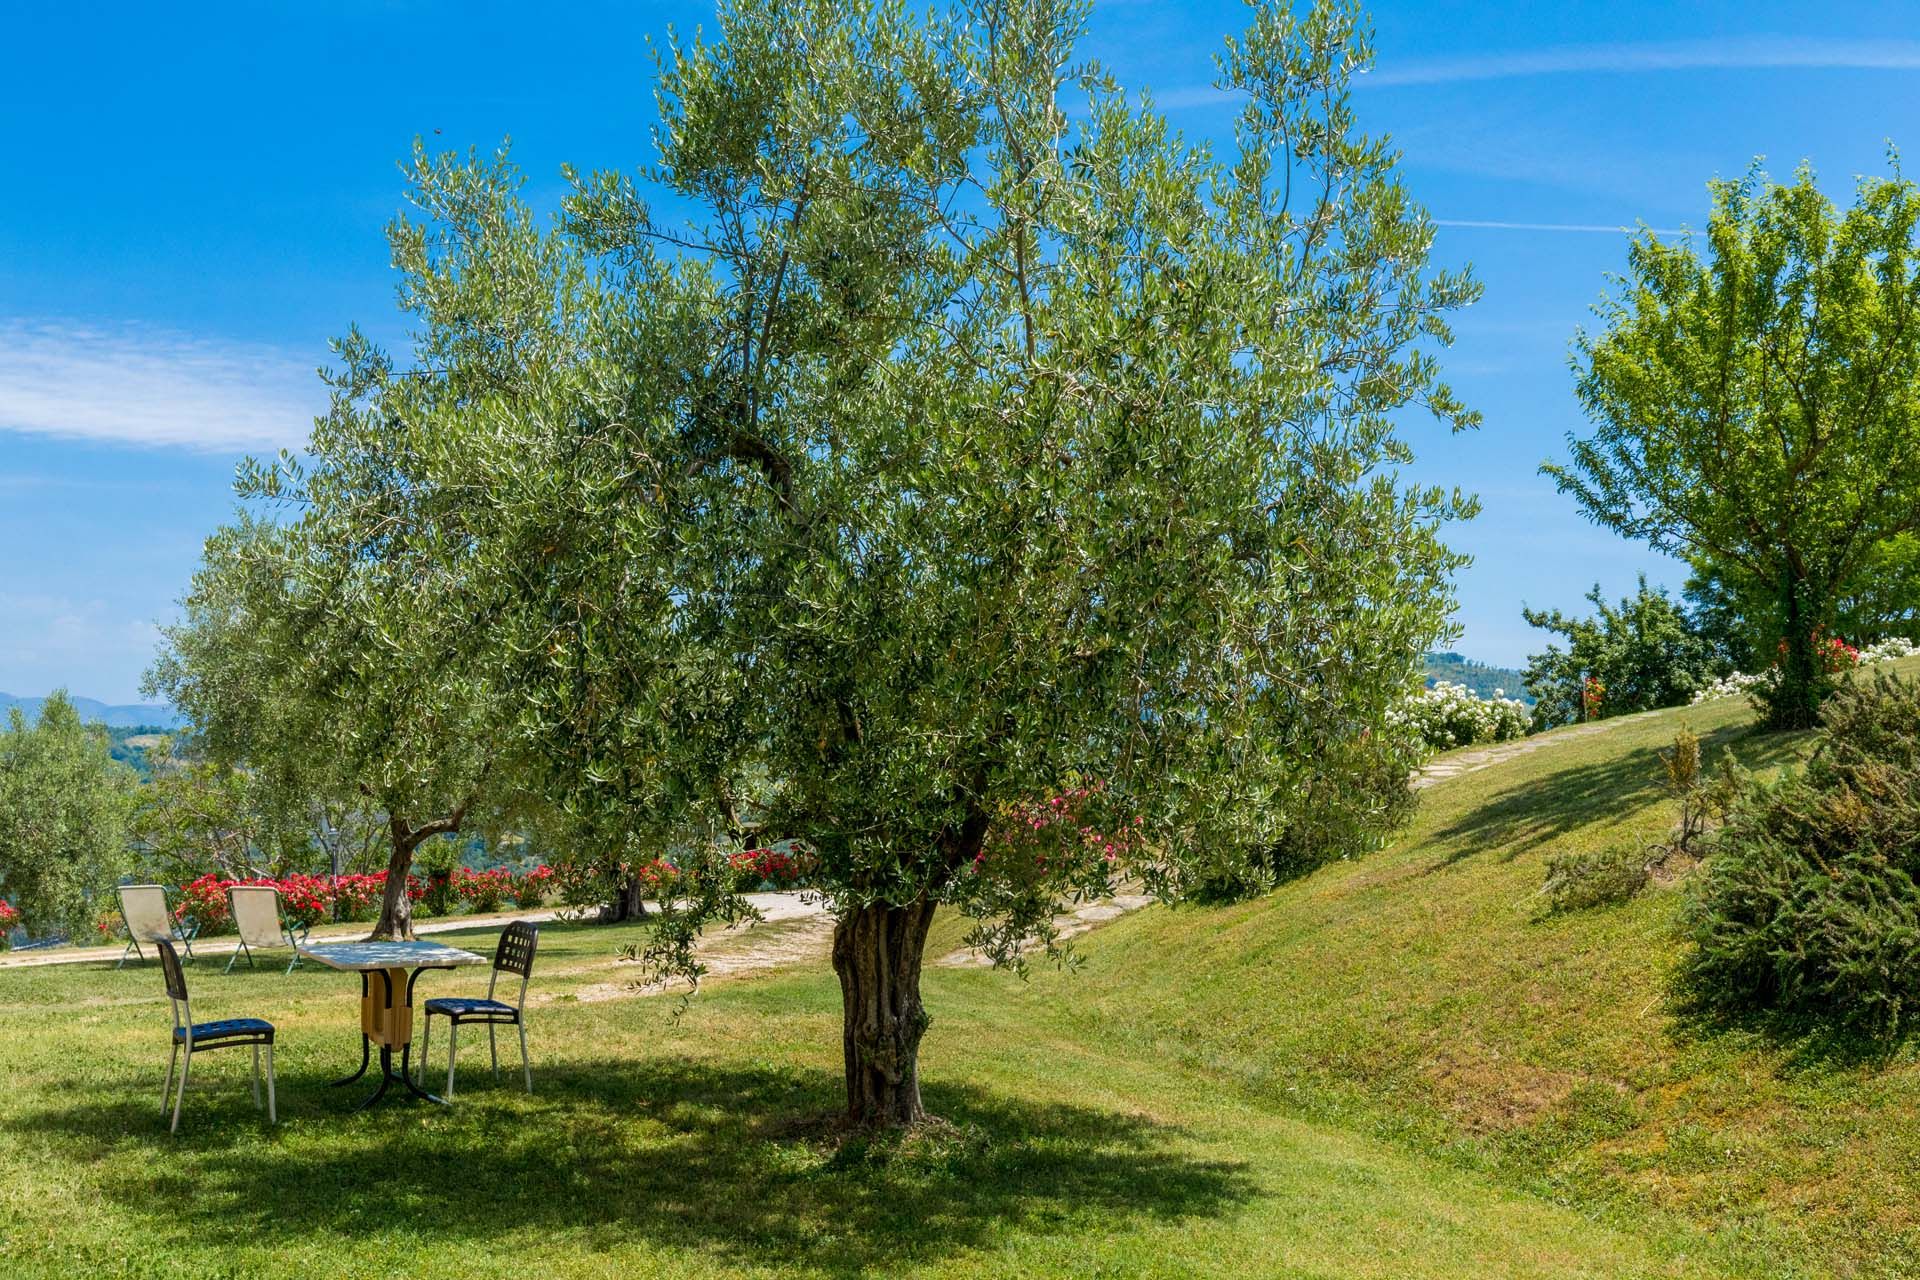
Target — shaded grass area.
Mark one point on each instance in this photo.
(690, 1147)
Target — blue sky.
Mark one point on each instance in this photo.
(192, 197)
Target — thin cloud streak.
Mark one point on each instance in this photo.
(1581, 227)
(152, 388)
(1735, 54)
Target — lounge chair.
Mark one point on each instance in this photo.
(149, 918)
(256, 913)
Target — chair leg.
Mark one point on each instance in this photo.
(166, 1090)
(293, 963)
(133, 949)
(426, 1043)
(453, 1047)
(256, 1075)
(493, 1043)
(234, 958)
(273, 1112)
(186, 1069)
(526, 1067)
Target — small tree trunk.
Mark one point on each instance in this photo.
(1795, 703)
(396, 908)
(877, 952)
(629, 902)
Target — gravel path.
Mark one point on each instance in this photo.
(774, 906)
(1452, 766)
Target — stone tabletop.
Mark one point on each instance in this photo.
(387, 955)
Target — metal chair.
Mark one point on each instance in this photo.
(198, 1037)
(149, 918)
(514, 955)
(256, 912)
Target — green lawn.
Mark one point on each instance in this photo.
(1392, 1068)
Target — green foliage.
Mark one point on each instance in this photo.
(1644, 653)
(1809, 909)
(1579, 880)
(949, 440)
(345, 686)
(1583, 878)
(64, 807)
(1756, 408)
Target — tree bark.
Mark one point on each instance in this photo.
(629, 902)
(1795, 704)
(396, 908)
(877, 952)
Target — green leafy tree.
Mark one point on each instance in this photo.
(1756, 406)
(331, 675)
(64, 806)
(964, 441)
(1640, 654)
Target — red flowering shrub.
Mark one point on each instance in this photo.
(356, 897)
(304, 900)
(531, 889)
(9, 917)
(1061, 838)
(483, 891)
(658, 877)
(204, 900)
(752, 868)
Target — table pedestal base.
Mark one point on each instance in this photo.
(387, 1022)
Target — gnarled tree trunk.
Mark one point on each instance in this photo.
(877, 951)
(396, 908)
(629, 901)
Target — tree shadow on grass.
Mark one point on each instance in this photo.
(1805, 1045)
(718, 1161)
(1543, 809)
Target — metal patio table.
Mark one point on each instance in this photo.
(387, 972)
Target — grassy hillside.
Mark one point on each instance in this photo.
(1421, 997)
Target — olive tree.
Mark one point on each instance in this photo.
(64, 807)
(1754, 399)
(1007, 483)
(330, 671)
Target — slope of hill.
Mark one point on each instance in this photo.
(1420, 995)
(1478, 677)
(124, 716)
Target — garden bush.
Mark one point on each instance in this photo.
(1450, 715)
(1808, 909)
(9, 918)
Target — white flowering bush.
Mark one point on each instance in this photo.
(1451, 715)
(1739, 682)
(1889, 649)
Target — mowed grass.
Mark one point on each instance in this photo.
(1396, 1067)
(1421, 996)
(691, 1147)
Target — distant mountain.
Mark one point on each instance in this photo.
(92, 709)
(1478, 677)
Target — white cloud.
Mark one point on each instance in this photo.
(152, 387)
(1740, 53)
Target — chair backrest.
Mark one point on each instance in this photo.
(144, 908)
(170, 965)
(515, 953)
(256, 913)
